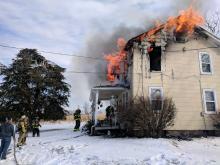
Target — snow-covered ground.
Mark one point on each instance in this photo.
(59, 145)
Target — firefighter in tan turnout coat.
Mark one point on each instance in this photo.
(22, 128)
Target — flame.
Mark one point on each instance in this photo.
(114, 60)
(185, 23)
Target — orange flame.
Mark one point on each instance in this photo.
(184, 23)
(114, 60)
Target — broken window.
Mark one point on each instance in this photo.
(155, 58)
(209, 100)
(205, 63)
(156, 97)
(180, 37)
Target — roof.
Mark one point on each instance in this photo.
(137, 38)
(198, 29)
(105, 92)
(211, 35)
(106, 87)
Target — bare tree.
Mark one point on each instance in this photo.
(213, 22)
(145, 118)
(216, 120)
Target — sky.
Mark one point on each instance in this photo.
(77, 26)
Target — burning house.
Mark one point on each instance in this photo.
(177, 59)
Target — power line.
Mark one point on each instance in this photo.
(85, 72)
(90, 72)
(163, 74)
(56, 53)
(102, 59)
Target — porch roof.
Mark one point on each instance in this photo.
(105, 92)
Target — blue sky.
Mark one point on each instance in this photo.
(66, 26)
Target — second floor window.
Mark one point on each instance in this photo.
(205, 63)
(155, 58)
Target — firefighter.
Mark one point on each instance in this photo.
(26, 125)
(77, 118)
(109, 114)
(22, 131)
(6, 132)
(35, 127)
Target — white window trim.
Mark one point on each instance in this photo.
(200, 64)
(204, 101)
(155, 87)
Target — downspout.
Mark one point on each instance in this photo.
(142, 73)
(203, 109)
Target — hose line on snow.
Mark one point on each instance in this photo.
(15, 157)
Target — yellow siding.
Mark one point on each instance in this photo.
(181, 80)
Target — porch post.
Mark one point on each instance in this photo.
(96, 106)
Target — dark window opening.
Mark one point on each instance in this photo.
(180, 37)
(155, 58)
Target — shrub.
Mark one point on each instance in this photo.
(216, 120)
(144, 118)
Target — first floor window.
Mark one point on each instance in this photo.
(210, 101)
(156, 97)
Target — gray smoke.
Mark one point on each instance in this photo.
(104, 42)
(100, 45)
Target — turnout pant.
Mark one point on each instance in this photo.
(5, 143)
(25, 138)
(36, 131)
(21, 138)
(77, 125)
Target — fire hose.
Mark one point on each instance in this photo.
(15, 157)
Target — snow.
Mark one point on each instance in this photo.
(59, 145)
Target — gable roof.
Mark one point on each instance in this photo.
(208, 34)
(198, 29)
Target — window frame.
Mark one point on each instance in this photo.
(156, 87)
(215, 101)
(200, 64)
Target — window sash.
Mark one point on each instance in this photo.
(202, 63)
(206, 62)
(206, 66)
(208, 58)
(209, 98)
(209, 104)
(152, 94)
